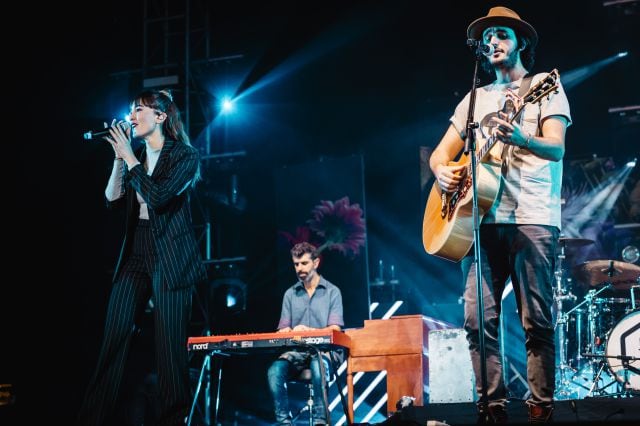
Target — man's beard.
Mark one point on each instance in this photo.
(510, 61)
(306, 277)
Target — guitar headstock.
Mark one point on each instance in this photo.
(542, 88)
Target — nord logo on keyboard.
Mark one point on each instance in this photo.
(200, 346)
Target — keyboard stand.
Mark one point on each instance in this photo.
(205, 377)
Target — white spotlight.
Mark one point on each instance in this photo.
(622, 54)
(631, 163)
(227, 105)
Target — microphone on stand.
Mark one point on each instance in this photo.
(486, 49)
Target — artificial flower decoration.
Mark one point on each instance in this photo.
(340, 224)
(303, 233)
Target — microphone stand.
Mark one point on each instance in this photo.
(470, 149)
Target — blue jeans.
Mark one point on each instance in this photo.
(286, 369)
(526, 254)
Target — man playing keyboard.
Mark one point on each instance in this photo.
(311, 303)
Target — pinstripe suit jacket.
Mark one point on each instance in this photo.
(166, 193)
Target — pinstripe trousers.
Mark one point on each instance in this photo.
(141, 278)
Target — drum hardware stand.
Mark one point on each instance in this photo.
(625, 385)
(563, 388)
(561, 294)
(626, 367)
(596, 379)
(565, 385)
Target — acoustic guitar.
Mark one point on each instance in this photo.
(447, 226)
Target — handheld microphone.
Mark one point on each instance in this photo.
(92, 134)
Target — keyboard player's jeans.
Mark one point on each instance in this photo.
(288, 368)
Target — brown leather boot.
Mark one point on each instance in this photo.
(539, 414)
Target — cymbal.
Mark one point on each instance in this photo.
(575, 242)
(621, 275)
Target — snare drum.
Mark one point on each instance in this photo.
(624, 341)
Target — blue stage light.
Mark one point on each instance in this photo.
(227, 106)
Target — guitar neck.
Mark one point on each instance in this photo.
(492, 141)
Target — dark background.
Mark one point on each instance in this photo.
(377, 79)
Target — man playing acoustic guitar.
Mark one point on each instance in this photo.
(520, 229)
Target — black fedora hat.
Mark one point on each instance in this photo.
(502, 16)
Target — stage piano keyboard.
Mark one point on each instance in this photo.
(322, 339)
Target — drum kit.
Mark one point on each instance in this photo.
(598, 330)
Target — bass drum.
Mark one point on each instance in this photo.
(623, 351)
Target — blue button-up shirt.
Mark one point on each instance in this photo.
(322, 309)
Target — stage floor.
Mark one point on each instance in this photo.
(600, 410)
(594, 410)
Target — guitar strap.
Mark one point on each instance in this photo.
(524, 88)
(526, 84)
